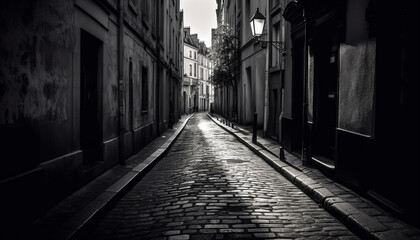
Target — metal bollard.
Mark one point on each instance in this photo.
(254, 129)
(281, 154)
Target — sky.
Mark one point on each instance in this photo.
(200, 16)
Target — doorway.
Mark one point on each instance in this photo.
(325, 96)
(89, 118)
(248, 97)
(274, 112)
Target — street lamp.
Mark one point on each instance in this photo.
(257, 23)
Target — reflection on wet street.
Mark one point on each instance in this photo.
(209, 186)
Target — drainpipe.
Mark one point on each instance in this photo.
(305, 98)
(158, 61)
(267, 72)
(121, 80)
(283, 59)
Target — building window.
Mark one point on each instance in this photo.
(275, 60)
(195, 55)
(190, 70)
(201, 74)
(190, 54)
(195, 69)
(144, 90)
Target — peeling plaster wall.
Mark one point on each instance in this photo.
(37, 39)
(110, 87)
(40, 96)
(35, 61)
(37, 42)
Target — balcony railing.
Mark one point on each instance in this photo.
(190, 82)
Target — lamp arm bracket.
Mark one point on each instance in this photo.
(280, 46)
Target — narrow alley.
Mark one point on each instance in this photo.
(210, 186)
(209, 119)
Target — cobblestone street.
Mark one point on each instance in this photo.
(209, 186)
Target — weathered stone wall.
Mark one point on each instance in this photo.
(110, 86)
(37, 39)
(36, 45)
(41, 93)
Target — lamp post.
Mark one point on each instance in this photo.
(257, 23)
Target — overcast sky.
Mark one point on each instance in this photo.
(200, 16)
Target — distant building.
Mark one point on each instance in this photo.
(204, 72)
(83, 86)
(197, 90)
(190, 79)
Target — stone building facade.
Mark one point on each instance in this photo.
(204, 73)
(341, 95)
(197, 90)
(190, 79)
(83, 86)
(352, 102)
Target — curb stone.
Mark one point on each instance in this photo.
(359, 222)
(77, 224)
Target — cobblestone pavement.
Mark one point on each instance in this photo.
(209, 186)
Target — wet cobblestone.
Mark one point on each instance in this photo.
(209, 186)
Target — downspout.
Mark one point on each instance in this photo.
(305, 88)
(158, 19)
(283, 58)
(267, 72)
(121, 80)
